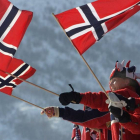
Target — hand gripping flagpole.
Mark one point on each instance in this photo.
(31, 83)
(83, 60)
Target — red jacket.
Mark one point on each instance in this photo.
(97, 101)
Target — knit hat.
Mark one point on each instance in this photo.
(123, 72)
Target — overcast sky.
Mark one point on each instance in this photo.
(46, 48)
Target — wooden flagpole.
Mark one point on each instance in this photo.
(83, 60)
(27, 102)
(32, 84)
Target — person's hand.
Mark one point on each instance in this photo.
(51, 111)
(70, 97)
(120, 101)
(120, 114)
(117, 112)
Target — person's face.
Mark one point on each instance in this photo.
(117, 83)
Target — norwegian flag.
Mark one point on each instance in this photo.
(76, 133)
(13, 24)
(85, 25)
(18, 68)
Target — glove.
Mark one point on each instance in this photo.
(120, 101)
(51, 111)
(70, 97)
(122, 115)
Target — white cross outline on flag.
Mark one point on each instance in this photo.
(86, 22)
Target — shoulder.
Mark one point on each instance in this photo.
(127, 92)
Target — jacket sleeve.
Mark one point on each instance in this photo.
(134, 125)
(95, 100)
(88, 118)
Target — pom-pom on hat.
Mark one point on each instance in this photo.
(123, 72)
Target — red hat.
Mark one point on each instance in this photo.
(126, 72)
(123, 72)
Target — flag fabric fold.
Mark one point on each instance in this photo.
(18, 68)
(85, 25)
(76, 133)
(13, 25)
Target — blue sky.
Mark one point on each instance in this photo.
(46, 48)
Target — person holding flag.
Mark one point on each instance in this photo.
(123, 83)
(92, 121)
